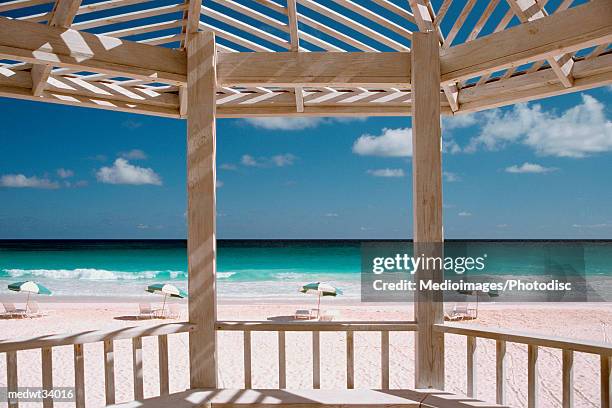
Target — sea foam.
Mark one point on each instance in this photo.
(94, 274)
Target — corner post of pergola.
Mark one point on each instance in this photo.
(427, 205)
(201, 211)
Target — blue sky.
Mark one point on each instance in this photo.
(540, 170)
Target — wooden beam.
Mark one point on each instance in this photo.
(567, 31)
(201, 211)
(62, 15)
(294, 37)
(531, 10)
(37, 43)
(425, 18)
(427, 205)
(314, 69)
(588, 73)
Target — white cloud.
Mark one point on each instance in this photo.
(450, 177)
(295, 123)
(65, 173)
(279, 160)
(331, 214)
(282, 160)
(122, 172)
(248, 160)
(459, 121)
(284, 123)
(387, 172)
(21, 181)
(219, 184)
(502, 225)
(228, 166)
(577, 132)
(465, 214)
(134, 154)
(529, 168)
(391, 143)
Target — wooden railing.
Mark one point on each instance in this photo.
(47, 343)
(315, 328)
(534, 342)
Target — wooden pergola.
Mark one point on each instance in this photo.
(248, 58)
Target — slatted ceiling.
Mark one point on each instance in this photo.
(353, 24)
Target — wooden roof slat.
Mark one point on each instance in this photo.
(134, 15)
(144, 29)
(469, 5)
(251, 45)
(378, 19)
(442, 12)
(320, 43)
(400, 11)
(17, 4)
(354, 25)
(165, 39)
(334, 33)
(271, 38)
(254, 14)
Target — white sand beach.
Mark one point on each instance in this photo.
(578, 321)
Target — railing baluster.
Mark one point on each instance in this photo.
(316, 361)
(137, 368)
(350, 360)
(282, 363)
(568, 379)
(471, 342)
(11, 375)
(164, 385)
(46, 357)
(384, 359)
(606, 378)
(109, 372)
(79, 376)
(532, 376)
(247, 359)
(500, 372)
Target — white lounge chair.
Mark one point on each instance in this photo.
(460, 312)
(145, 311)
(302, 314)
(12, 311)
(328, 315)
(174, 311)
(34, 310)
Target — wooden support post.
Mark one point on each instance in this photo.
(201, 246)
(427, 204)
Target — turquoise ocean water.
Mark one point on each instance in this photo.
(252, 268)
